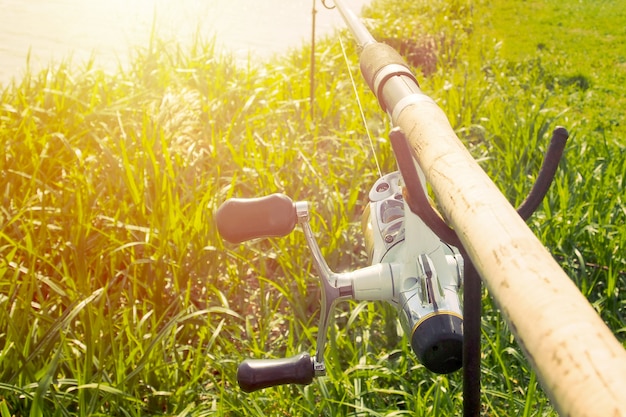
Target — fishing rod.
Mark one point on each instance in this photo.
(420, 263)
(546, 312)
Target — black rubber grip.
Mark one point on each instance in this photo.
(256, 374)
(241, 219)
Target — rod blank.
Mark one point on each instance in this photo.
(358, 29)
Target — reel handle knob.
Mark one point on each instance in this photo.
(241, 219)
(256, 374)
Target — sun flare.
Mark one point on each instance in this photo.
(53, 30)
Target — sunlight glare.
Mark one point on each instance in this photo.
(53, 30)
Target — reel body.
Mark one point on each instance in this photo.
(428, 278)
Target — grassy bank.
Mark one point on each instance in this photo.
(117, 296)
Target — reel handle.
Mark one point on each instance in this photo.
(256, 374)
(241, 219)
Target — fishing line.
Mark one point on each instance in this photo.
(361, 112)
(312, 69)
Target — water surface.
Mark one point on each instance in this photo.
(52, 30)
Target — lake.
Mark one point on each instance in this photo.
(52, 30)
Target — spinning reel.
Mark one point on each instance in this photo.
(410, 267)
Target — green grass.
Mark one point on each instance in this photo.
(117, 295)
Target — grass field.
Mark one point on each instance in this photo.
(117, 297)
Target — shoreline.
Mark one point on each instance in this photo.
(32, 41)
